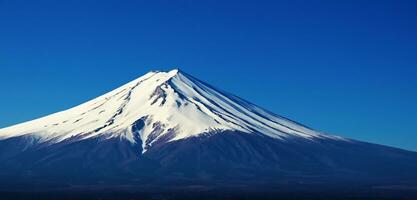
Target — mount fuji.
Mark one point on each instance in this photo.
(169, 129)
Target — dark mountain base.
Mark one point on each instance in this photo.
(227, 165)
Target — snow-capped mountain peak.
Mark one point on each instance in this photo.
(160, 107)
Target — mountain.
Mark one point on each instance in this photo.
(171, 130)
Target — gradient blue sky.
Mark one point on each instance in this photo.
(343, 67)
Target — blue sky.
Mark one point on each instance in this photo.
(343, 67)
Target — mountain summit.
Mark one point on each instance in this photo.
(157, 108)
(169, 129)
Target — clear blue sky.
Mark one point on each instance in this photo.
(343, 67)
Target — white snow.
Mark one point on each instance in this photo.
(174, 100)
